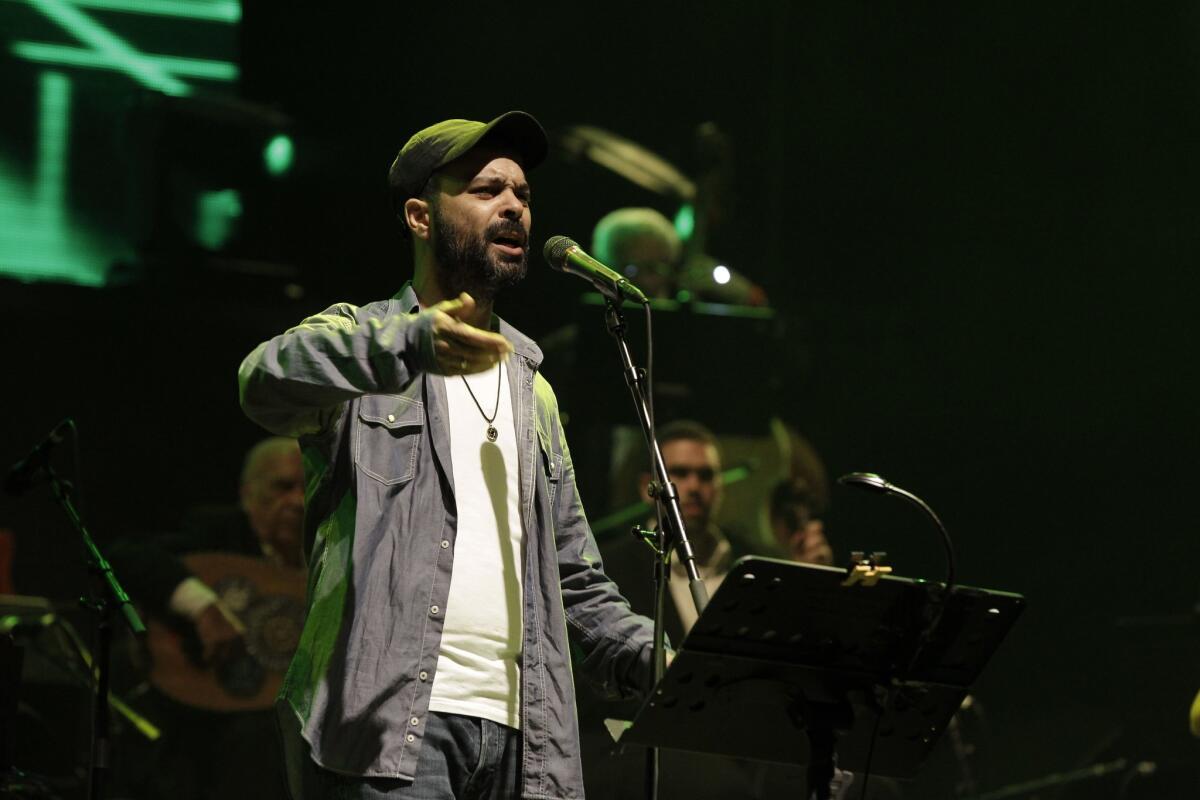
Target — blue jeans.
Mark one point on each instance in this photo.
(462, 758)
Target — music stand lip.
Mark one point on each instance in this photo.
(781, 643)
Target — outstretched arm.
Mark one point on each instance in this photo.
(295, 383)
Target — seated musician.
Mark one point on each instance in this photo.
(214, 749)
(795, 523)
(693, 462)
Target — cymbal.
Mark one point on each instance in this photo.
(627, 158)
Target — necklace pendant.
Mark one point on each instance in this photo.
(492, 433)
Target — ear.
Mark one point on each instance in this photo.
(416, 216)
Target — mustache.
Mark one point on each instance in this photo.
(506, 228)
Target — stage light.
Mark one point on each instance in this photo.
(217, 213)
(721, 274)
(685, 221)
(279, 154)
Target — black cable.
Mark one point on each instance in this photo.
(866, 774)
(650, 371)
(650, 408)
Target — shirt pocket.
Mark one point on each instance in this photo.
(388, 437)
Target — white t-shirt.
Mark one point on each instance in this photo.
(478, 669)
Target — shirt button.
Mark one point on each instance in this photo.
(423, 675)
(410, 738)
(433, 609)
(391, 417)
(445, 543)
(414, 721)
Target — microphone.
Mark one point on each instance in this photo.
(564, 255)
(21, 475)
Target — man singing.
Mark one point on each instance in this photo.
(449, 554)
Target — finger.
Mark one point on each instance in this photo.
(461, 363)
(444, 326)
(459, 308)
(462, 307)
(454, 348)
(470, 336)
(234, 621)
(453, 306)
(457, 365)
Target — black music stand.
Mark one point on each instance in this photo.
(787, 664)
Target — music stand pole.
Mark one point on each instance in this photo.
(106, 593)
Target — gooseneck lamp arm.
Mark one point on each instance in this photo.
(871, 482)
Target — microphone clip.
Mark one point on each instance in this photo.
(647, 537)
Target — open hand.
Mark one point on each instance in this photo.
(461, 348)
(808, 545)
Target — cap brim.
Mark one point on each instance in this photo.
(517, 129)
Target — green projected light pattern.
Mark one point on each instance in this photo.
(38, 240)
(61, 55)
(50, 186)
(229, 11)
(115, 49)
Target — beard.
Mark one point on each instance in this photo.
(466, 263)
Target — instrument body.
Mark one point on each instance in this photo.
(268, 599)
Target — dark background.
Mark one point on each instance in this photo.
(983, 222)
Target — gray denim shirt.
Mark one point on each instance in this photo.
(380, 525)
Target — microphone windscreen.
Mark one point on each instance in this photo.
(556, 249)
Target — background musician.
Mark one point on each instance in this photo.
(209, 752)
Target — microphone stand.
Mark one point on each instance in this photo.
(671, 528)
(106, 594)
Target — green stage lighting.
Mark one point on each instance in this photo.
(279, 154)
(685, 221)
